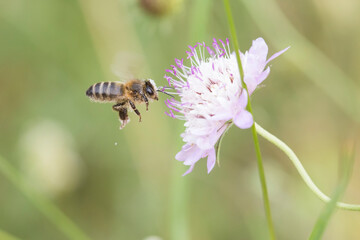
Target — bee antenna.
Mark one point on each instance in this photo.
(165, 93)
(167, 87)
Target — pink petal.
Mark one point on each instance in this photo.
(263, 76)
(207, 141)
(210, 140)
(204, 143)
(189, 170)
(277, 54)
(211, 160)
(243, 119)
(251, 83)
(259, 49)
(201, 130)
(254, 65)
(189, 154)
(243, 100)
(224, 115)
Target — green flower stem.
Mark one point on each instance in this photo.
(253, 128)
(47, 208)
(262, 179)
(305, 176)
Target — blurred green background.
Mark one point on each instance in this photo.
(126, 184)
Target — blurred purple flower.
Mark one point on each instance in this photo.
(212, 96)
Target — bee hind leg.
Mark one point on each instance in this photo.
(119, 106)
(123, 117)
(123, 114)
(135, 109)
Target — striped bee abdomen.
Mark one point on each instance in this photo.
(106, 91)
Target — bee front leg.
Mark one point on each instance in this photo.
(146, 101)
(135, 110)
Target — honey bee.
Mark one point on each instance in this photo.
(123, 95)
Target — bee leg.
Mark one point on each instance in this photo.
(135, 110)
(123, 115)
(146, 101)
(118, 106)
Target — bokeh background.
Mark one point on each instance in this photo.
(126, 184)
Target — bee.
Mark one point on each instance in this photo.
(126, 94)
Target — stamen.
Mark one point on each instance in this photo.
(171, 114)
(169, 71)
(193, 70)
(167, 78)
(224, 49)
(211, 52)
(179, 63)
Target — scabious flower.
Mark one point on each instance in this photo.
(212, 96)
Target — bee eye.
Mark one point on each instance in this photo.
(149, 91)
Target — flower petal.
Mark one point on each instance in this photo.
(243, 99)
(208, 141)
(263, 76)
(259, 49)
(189, 170)
(251, 83)
(225, 115)
(243, 119)
(189, 154)
(277, 54)
(211, 160)
(204, 142)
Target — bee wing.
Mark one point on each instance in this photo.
(127, 65)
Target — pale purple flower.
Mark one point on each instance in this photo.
(211, 95)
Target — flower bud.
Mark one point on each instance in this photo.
(160, 7)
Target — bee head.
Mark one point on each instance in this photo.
(150, 89)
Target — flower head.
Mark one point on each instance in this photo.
(211, 95)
